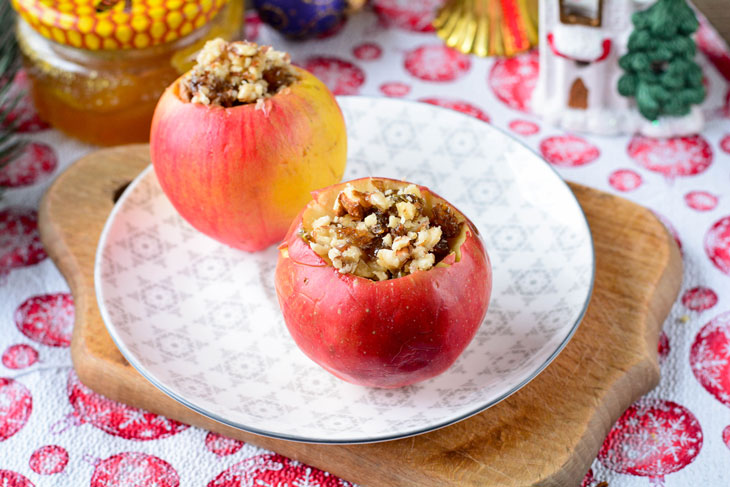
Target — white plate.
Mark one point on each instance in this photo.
(201, 320)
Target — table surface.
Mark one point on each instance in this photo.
(54, 431)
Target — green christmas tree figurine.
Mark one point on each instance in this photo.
(660, 71)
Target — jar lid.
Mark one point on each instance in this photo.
(116, 24)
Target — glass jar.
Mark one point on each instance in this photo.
(97, 67)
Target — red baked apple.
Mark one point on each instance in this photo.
(382, 282)
(239, 142)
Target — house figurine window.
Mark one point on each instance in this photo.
(584, 12)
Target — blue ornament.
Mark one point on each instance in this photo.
(302, 19)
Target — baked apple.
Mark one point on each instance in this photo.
(382, 282)
(238, 142)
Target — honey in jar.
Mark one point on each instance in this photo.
(97, 67)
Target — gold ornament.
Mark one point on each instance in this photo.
(488, 27)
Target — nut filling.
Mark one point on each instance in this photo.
(236, 73)
(385, 233)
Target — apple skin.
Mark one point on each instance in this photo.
(385, 334)
(240, 174)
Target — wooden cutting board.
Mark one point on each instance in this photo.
(545, 434)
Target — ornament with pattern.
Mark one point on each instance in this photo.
(701, 200)
(672, 157)
(653, 438)
(395, 89)
(513, 80)
(663, 348)
(20, 243)
(458, 105)
(36, 162)
(49, 460)
(524, 127)
(221, 445)
(134, 469)
(341, 77)
(367, 51)
(710, 357)
(726, 436)
(699, 298)
(16, 404)
(19, 356)
(407, 14)
(8, 478)
(725, 142)
(273, 470)
(568, 151)
(624, 180)
(436, 62)
(47, 319)
(717, 244)
(114, 418)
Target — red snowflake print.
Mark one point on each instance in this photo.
(437, 62)
(16, 404)
(133, 469)
(725, 142)
(252, 26)
(37, 162)
(524, 127)
(49, 460)
(726, 436)
(512, 80)
(699, 298)
(653, 438)
(341, 77)
(23, 116)
(117, 419)
(701, 200)
(663, 348)
(47, 319)
(222, 445)
(710, 357)
(717, 244)
(670, 228)
(407, 14)
(367, 51)
(272, 470)
(20, 243)
(395, 89)
(625, 180)
(8, 478)
(458, 105)
(568, 151)
(677, 156)
(19, 356)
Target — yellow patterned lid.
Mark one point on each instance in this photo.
(116, 24)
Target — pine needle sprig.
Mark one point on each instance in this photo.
(10, 143)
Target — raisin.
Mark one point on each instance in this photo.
(444, 218)
(276, 78)
(356, 237)
(441, 249)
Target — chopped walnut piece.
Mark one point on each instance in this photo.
(384, 233)
(235, 73)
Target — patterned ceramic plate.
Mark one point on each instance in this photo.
(202, 323)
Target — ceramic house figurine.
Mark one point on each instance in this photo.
(607, 71)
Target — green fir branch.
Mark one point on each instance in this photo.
(10, 143)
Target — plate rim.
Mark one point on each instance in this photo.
(141, 369)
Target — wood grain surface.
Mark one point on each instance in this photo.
(546, 434)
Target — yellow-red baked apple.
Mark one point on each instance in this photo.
(382, 282)
(239, 142)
